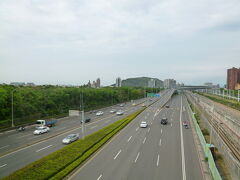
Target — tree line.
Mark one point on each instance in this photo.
(31, 103)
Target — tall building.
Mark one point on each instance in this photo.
(98, 83)
(233, 78)
(169, 83)
(151, 83)
(94, 84)
(118, 82)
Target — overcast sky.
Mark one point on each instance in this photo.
(73, 41)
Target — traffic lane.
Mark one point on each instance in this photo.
(146, 166)
(191, 155)
(53, 144)
(42, 149)
(115, 147)
(13, 141)
(112, 153)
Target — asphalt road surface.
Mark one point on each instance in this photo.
(161, 152)
(52, 141)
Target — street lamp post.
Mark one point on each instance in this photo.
(12, 108)
(211, 125)
(81, 107)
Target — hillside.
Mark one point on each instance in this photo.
(141, 82)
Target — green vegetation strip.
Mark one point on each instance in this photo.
(230, 103)
(60, 163)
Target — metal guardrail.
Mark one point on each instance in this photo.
(207, 151)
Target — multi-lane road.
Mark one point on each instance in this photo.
(19, 149)
(156, 152)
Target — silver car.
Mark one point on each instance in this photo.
(70, 138)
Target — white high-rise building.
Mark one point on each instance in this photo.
(151, 83)
(169, 83)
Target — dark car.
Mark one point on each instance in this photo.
(86, 120)
(186, 124)
(164, 121)
(167, 106)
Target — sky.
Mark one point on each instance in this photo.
(73, 41)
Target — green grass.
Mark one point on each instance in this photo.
(60, 163)
(230, 103)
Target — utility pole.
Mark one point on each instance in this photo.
(82, 108)
(12, 108)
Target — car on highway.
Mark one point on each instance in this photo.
(121, 105)
(119, 113)
(86, 120)
(112, 111)
(164, 121)
(133, 104)
(41, 130)
(186, 124)
(99, 113)
(167, 106)
(143, 105)
(70, 138)
(143, 124)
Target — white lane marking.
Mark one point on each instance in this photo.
(61, 128)
(24, 136)
(137, 157)
(117, 154)
(43, 148)
(3, 165)
(161, 131)
(149, 129)
(158, 160)
(93, 127)
(171, 124)
(160, 142)
(4, 146)
(36, 136)
(182, 145)
(137, 128)
(107, 121)
(129, 138)
(99, 177)
(144, 140)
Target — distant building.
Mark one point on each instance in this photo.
(151, 83)
(209, 84)
(118, 82)
(17, 83)
(93, 85)
(29, 84)
(98, 83)
(233, 78)
(89, 84)
(169, 83)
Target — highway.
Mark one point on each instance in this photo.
(52, 141)
(12, 140)
(156, 152)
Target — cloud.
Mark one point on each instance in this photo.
(151, 31)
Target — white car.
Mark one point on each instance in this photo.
(121, 105)
(112, 111)
(70, 138)
(41, 130)
(143, 124)
(119, 113)
(99, 113)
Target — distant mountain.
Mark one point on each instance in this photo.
(141, 82)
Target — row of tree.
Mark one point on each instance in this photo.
(31, 103)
